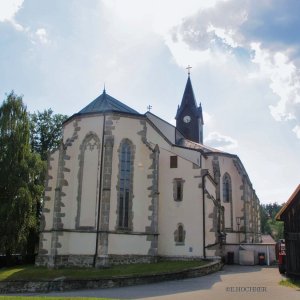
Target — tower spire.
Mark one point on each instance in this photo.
(189, 118)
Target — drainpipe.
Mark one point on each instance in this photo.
(100, 192)
(203, 207)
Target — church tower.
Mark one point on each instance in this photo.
(189, 118)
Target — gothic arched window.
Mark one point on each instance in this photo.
(227, 189)
(179, 235)
(125, 184)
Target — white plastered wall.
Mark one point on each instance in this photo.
(74, 242)
(123, 244)
(227, 166)
(167, 129)
(187, 212)
(128, 128)
(77, 243)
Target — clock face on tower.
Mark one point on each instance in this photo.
(187, 119)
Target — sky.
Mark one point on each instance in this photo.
(245, 58)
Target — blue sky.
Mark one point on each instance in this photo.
(245, 58)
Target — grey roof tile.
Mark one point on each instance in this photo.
(106, 103)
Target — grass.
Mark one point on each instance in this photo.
(43, 274)
(290, 283)
(47, 298)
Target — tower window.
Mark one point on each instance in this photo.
(173, 161)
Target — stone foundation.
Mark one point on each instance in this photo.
(65, 261)
(131, 259)
(88, 260)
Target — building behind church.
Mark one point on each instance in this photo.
(126, 187)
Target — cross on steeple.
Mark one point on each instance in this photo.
(149, 107)
(189, 69)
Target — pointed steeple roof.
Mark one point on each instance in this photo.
(188, 95)
(106, 103)
(189, 100)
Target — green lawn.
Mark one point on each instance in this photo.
(47, 298)
(40, 273)
(290, 283)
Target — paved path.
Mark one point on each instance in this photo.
(233, 282)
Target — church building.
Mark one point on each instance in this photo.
(126, 187)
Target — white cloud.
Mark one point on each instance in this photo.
(226, 35)
(208, 29)
(220, 141)
(183, 55)
(42, 36)
(208, 118)
(8, 10)
(156, 15)
(244, 35)
(296, 130)
(284, 82)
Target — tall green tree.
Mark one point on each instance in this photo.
(264, 220)
(20, 172)
(269, 225)
(46, 131)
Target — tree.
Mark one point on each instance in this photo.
(264, 217)
(20, 172)
(272, 209)
(268, 223)
(46, 133)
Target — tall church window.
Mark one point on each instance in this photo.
(178, 189)
(125, 185)
(227, 189)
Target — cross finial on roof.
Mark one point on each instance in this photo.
(149, 107)
(189, 69)
(104, 88)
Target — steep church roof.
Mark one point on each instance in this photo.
(189, 100)
(106, 103)
(293, 199)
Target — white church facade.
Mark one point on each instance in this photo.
(126, 187)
